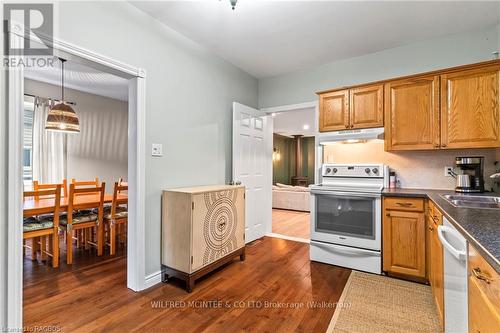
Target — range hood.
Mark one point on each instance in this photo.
(353, 136)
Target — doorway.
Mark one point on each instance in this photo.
(136, 279)
(294, 169)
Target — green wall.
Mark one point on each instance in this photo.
(284, 168)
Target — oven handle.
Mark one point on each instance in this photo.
(348, 194)
(346, 250)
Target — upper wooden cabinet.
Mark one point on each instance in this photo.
(366, 106)
(453, 108)
(469, 108)
(412, 114)
(355, 108)
(334, 111)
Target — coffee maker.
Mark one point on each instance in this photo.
(470, 179)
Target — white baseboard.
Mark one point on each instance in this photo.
(295, 239)
(152, 279)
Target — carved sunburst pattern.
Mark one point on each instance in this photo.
(219, 228)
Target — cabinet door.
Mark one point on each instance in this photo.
(411, 109)
(334, 111)
(404, 243)
(218, 225)
(484, 294)
(469, 108)
(367, 106)
(204, 241)
(437, 267)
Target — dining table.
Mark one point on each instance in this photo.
(33, 207)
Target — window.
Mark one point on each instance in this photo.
(29, 107)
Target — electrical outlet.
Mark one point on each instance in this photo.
(448, 171)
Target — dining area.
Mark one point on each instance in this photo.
(75, 215)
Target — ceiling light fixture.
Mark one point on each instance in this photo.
(61, 117)
(233, 3)
(306, 127)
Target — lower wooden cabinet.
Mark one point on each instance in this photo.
(436, 260)
(484, 295)
(404, 237)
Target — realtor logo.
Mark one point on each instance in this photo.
(37, 18)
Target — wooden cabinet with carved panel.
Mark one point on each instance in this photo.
(360, 107)
(470, 108)
(412, 114)
(484, 295)
(404, 237)
(202, 229)
(436, 260)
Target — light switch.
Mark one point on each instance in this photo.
(157, 149)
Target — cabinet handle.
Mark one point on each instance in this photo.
(346, 126)
(404, 204)
(443, 145)
(436, 145)
(431, 228)
(388, 214)
(480, 275)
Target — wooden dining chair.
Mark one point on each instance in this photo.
(85, 183)
(116, 216)
(40, 186)
(46, 228)
(82, 216)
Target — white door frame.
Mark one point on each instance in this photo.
(136, 170)
(318, 160)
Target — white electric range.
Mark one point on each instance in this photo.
(346, 213)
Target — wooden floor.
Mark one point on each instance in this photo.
(94, 298)
(291, 223)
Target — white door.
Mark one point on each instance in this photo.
(252, 166)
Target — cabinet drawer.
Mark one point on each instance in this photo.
(405, 204)
(486, 278)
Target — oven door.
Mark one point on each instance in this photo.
(346, 218)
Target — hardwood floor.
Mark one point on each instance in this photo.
(95, 299)
(291, 223)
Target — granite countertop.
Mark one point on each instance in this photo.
(481, 227)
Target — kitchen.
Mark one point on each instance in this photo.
(366, 219)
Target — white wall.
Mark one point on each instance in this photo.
(189, 92)
(415, 169)
(100, 149)
(300, 86)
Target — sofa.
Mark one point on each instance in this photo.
(291, 197)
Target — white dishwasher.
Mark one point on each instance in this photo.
(455, 278)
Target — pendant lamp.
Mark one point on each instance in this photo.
(62, 117)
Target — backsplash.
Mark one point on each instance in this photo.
(415, 169)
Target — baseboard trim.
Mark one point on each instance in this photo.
(152, 279)
(295, 239)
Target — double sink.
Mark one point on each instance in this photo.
(472, 201)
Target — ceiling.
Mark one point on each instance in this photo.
(82, 78)
(267, 38)
(297, 122)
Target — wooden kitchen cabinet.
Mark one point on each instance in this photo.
(202, 229)
(404, 238)
(484, 295)
(469, 108)
(366, 106)
(436, 258)
(334, 111)
(412, 114)
(356, 108)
